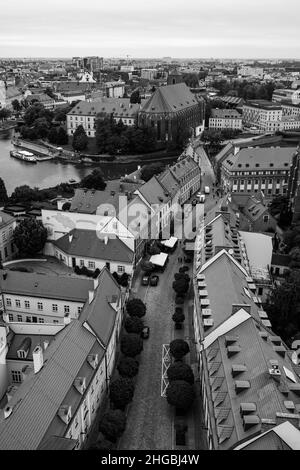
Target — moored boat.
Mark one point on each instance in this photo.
(23, 155)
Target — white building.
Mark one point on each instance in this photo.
(7, 247)
(71, 363)
(148, 74)
(286, 95)
(225, 119)
(246, 71)
(263, 115)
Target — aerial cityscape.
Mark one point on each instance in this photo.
(150, 228)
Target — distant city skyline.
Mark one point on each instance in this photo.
(223, 29)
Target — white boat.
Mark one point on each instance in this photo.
(23, 155)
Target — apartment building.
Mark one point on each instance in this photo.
(249, 382)
(246, 71)
(258, 169)
(290, 109)
(71, 362)
(7, 246)
(286, 95)
(225, 119)
(86, 113)
(188, 174)
(262, 114)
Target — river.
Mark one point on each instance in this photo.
(49, 173)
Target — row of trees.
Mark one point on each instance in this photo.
(245, 89)
(121, 391)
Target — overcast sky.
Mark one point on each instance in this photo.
(151, 28)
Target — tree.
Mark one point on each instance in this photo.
(283, 305)
(93, 181)
(52, 135)
(25, 194)
(181, 286)
(80, 140)
(113, 424)
(135, 97)
(66, 206)
(136, 307)
(213, 137)
(131, 345)
(179, 348)
(121, 392)
(16, 105)
(182, 275)
(191, 80)
(180, 371)
(62, 136)
(180, 394)
(178, 317)
(102, 444)
(3, 193)
(279, 208)
(30, 237)
(128, 367)
(147, 171)
(295, 256)
(4, 113)
(146, 266)
(37, 111)
(133, 325)
(292, 237)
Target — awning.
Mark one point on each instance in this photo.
(159, 260)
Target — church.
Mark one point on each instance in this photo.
(171, 110)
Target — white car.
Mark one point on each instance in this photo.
(202, 198)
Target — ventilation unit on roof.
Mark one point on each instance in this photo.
(64, 413)
(275, 339)
(238, 369)
(290, 405)
(241, 385)
(249, 421)
(80, 384)
(263, 335)
(274, 370)
(295, 388)
(208, 322)
(230, 340)
(247, 408)
(93, 360)
(206, 312)
(232, 350)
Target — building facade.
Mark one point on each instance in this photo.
(225, 119)
(7, 247)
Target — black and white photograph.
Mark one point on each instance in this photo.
(149, 229)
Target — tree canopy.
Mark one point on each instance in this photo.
(131, 345)
(30, 237)
(113, 424)
(136, 307)
(80, 140)
(3, 193)
(133, 325)
(128, 367)
(179, 348)
(147, 171)
(121, 392)
(93, 181)
(180, 371)
(180, 394)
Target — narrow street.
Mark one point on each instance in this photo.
(149, 424)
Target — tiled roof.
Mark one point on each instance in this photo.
(36, 402)
(170, 99)
(225, 114)
(45, 286)
(120, 107)
(86, 243)
(5, 219)
(261, 159)
(182, 167)
(168, 181)
(154, 193)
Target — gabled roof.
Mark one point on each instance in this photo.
(37, 400)
(153, 192)
(86, 243)
(120, 107)
(170, 99)
(169, 183)
(5, 219)
(184, 166)
(263, 158)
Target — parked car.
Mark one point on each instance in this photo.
(145, 280)
(145, 332)
(154, 280)
(202, 198)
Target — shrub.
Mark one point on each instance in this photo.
(136, 307)
(181, 286)
(113, 424)
(179, 300)
(121, 392)
(131, 345)
(178, 317)
(180, 394)
(128, 367)
(183, 269)
(183, 276)
(180, 371)
(133, 325)
(179, 348)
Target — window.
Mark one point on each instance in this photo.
(41, 320)
(54, 307)
(66, 308)
(81, 262)
(18, 303)
(40, 305)
(27, 304)
(8, 302)
(79, 310)
(121, 269)
(19, 318)
(55, 321)
(28, 319)
(91, 264)
(16, 376)
(10, 317)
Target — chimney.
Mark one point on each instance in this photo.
(46, 344)
(80, 384)
(38, 359)
(106, 240)
(93, 360)
(91, 296)
(70, 238)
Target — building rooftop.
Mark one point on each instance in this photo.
(45, 286)
(183, 166)
(278, 158)
(120, 107)
(225, 114)
(263, 104)
(5, 219)
(86, 243)
(170, 99)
